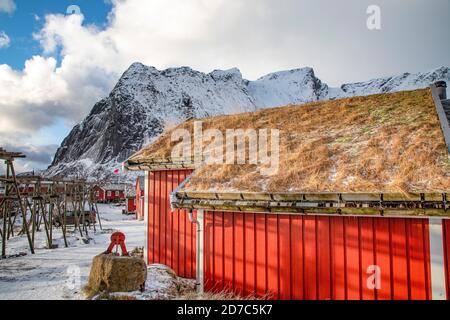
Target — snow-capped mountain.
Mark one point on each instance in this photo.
(287, 87)
(405, 81)
(145, 101)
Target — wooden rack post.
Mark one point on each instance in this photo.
(12, 200)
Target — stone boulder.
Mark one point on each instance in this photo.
(111, 273)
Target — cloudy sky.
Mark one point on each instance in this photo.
(54, 65)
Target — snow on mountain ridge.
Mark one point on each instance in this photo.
(287, 87)
(405, 81)
(146, 100)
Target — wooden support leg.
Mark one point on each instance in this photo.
(50, 221)
(44, 217)
(98, 216)
(63, 223)
(24, 211)
(4, 232)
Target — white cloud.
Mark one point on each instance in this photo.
(257, 36)
(7, 6)
(4, 40)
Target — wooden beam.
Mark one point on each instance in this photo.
(316, 197)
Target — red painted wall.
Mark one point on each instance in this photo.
(292, 256)
(101, 193)
(171, 236)
(113, 195)
(316, 257)
(131, 204)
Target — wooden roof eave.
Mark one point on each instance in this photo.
(318, 196)
(426, 204)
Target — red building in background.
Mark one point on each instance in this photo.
(110, 193)
(130, 203)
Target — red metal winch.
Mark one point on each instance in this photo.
(117, 239)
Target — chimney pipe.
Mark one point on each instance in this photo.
(441, 87)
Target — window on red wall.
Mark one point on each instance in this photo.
(117, 193)
(108, 193)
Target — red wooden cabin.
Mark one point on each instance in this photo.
(130, 203)
(109, 193)
(290, 243)
(99, 194)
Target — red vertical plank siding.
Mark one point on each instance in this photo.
(310, 258)
(418, 270)
(297, 261)
(261, 254)
(151, 218)
(353, 272)
(446, 233)
(323, 258)
(317, 257)
(399, 259)
(166, 235)
(228, 252)
(383, 257)
(292, 256)
(157, 215)
(272, 256)
(338, 259)
(284, 247)
(188, 246)
(163, 214)
(250, 254)
(182, 243)
(169, 225)
(239, 243)
(177, 179)
(217, 254)
(367, 259)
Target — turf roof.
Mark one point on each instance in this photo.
(380, 143)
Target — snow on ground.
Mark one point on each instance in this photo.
(61, 273)
(162, 284)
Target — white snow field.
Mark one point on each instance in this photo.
(62, 272)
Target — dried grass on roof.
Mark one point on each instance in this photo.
(379, 143)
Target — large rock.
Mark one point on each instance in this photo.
(110, 273)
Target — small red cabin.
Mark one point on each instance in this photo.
(110, 193)
(130, 203)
